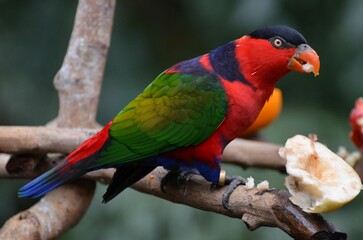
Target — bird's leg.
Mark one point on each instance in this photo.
(232, 182)
(181, 176)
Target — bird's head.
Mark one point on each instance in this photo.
(269, 53)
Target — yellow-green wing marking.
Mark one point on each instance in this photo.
(175, 110)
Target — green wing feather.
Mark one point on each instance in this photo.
(175, 110)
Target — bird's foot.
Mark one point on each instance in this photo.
(181, 177)
(232, 182)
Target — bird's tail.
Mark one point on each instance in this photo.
(76, 164)
(49, 180)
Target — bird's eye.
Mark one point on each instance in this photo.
(277, 42)
(280, 43)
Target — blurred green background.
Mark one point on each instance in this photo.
(148, 37)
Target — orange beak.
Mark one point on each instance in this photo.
(305, 60)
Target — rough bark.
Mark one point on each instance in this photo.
(53, 214)
(38, 140)
(255, 207)
(41, 140)
(247, 153)
(78, 83)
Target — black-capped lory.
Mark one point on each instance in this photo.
(184, 119)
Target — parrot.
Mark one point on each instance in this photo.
(187, 115)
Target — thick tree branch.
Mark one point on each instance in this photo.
(41, 140)
(255, 207)
(241, 152)
(247, 153)
(78, 83)
(50, 217)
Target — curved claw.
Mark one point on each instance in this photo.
(233, 182)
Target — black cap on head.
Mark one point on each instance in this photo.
(289, 34)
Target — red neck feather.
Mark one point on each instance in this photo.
(262, 64)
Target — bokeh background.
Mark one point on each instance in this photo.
(148, 37)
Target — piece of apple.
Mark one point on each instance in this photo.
(319, 180)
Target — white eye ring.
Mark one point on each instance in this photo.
(278, 42)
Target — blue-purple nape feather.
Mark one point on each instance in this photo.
(49, 181)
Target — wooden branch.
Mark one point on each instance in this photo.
(22, 140)
(41, 140)
(59, 210)
(78, 83)
(247, 153)
(256, 208)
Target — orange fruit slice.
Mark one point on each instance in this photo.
(270, 111)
